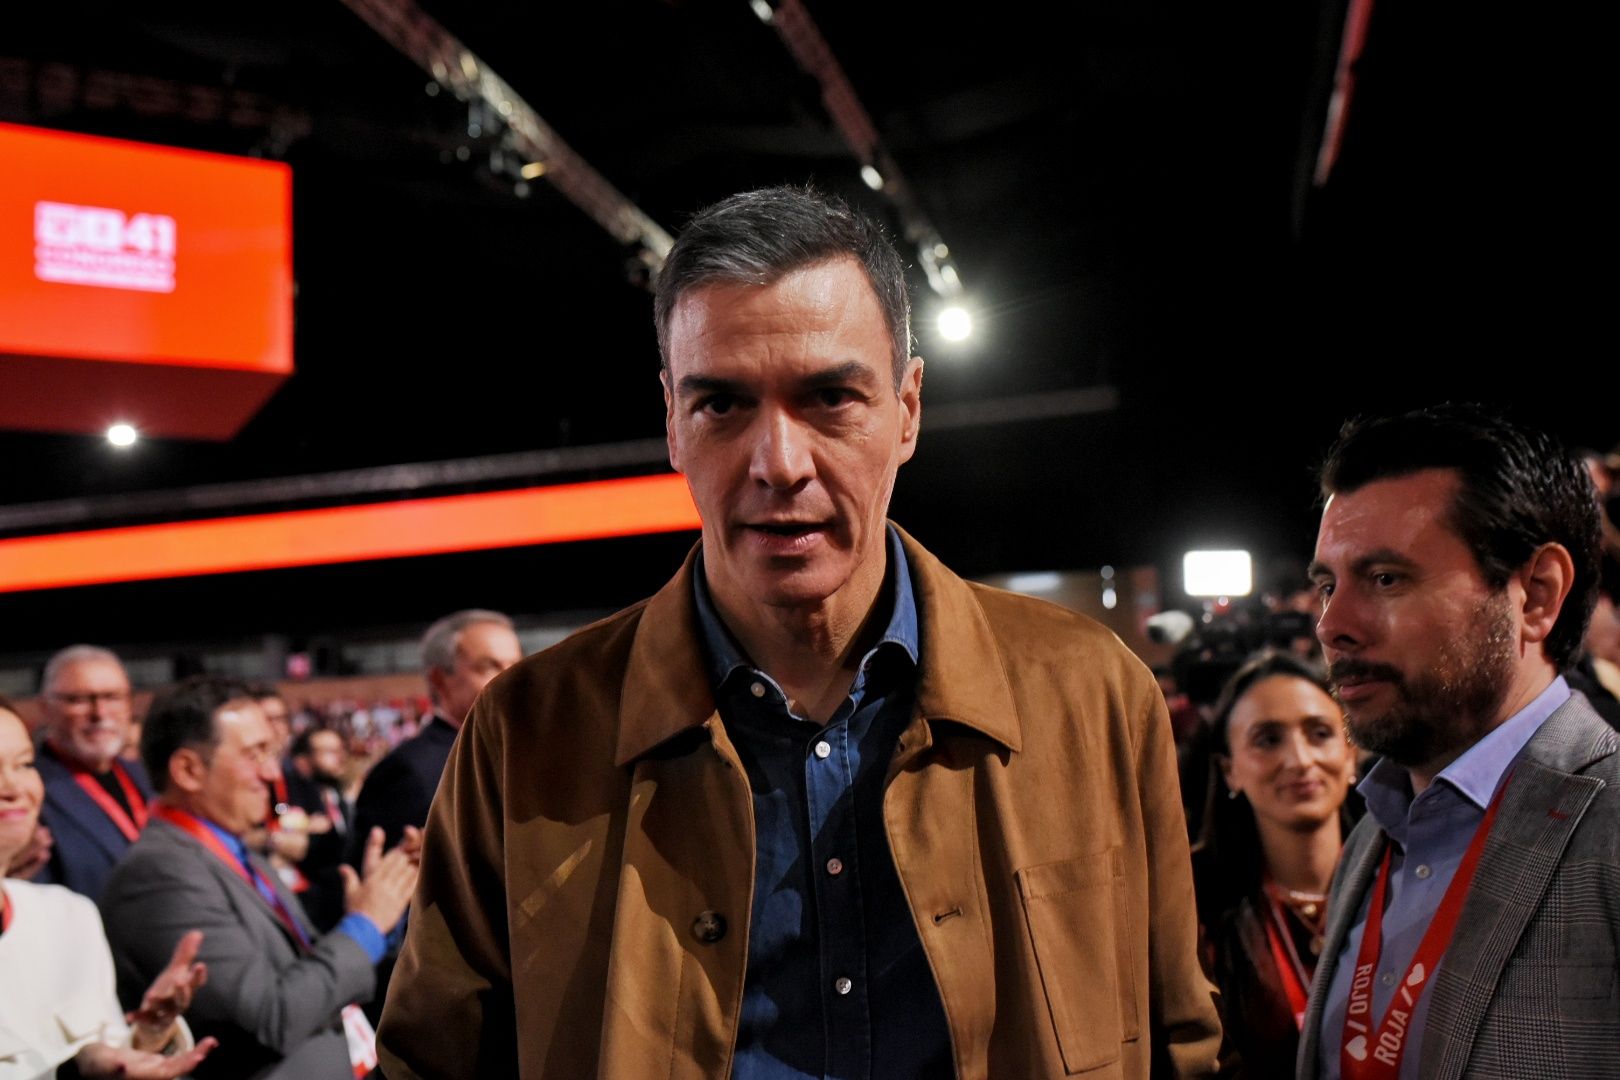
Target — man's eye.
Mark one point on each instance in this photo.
(717, 404)
(832, 397)
(1324, 589)
(1385, 578)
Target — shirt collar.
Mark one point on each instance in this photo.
(1476, 774)
(232, 842)
(726, 656)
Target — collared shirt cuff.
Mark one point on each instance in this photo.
(365, 934)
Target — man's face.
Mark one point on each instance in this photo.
(1421, 651)
(328, 757)
(275, 711)
(483, 651)
(237, 773)
(782, 411)
(87, 713)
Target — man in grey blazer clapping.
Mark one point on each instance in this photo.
(281, 1000)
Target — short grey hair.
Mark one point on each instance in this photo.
(756, 237)
(75, 654)
(440, 641)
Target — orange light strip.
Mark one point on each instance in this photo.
(544, 515)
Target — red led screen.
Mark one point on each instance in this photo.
(140, 283)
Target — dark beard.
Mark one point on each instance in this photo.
(1441, 712)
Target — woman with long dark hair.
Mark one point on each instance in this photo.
(1281, 772)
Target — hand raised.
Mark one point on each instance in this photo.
(388, 884)
(169, 995)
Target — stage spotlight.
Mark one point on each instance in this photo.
(1217, 573)
(122, 435)
(873, 178)
(955, 324)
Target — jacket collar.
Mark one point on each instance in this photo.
(960, 676)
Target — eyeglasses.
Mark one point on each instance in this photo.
(82, 701)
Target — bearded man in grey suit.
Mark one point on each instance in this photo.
(280, 998)
(1474, 920)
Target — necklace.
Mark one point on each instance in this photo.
(1309, 908)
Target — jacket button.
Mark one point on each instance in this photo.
(709, 927)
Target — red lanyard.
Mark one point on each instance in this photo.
(1295, 983)
(109, 805)
(206, 837)
(5, 912)
(1365, 1053)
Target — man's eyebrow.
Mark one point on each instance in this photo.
(1380, 557)
(707, 384)
(853, 371)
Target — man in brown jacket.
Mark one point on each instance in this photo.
(819, 807)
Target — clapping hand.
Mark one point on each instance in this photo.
(385, 889)
(169, 995)
(128, 1063)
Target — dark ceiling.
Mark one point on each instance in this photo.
(1119, 183)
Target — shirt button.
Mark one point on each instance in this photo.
(1387, 978)
(843, 985)
(758, 689)
(1423, 872)
(835, 867)
(823, 749)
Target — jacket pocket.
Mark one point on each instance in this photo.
(1079, 929)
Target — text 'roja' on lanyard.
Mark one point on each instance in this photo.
(1367, 1053)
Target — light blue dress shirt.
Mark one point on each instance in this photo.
(1428, 836)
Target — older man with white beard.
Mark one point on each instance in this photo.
(95, 802)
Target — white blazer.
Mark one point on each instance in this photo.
(57, 992)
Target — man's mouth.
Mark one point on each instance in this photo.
(1354, 680)
(786, 537)
(787, 528)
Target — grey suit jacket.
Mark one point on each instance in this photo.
(274, 1007)
(1528, 988)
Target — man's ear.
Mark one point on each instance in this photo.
(188, 769)
(1547, 578)
(435, 680)
(911, 404)
(669, 420)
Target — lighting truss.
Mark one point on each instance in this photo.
(420, 38)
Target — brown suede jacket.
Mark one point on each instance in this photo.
(594, 818)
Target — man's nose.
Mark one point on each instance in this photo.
(782, 458)
(1340, 626)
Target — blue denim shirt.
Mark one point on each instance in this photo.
(837, 984)
(1428, 836)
